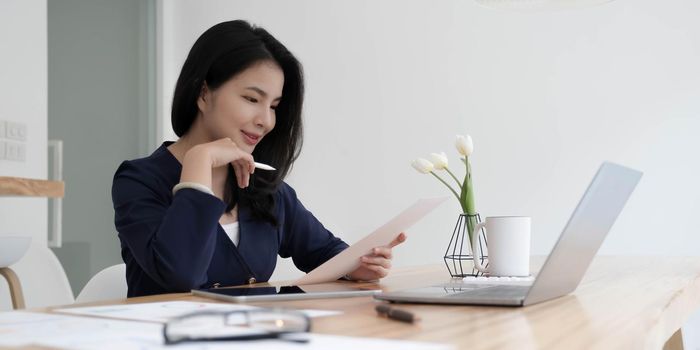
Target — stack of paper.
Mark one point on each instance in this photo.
(21, 328)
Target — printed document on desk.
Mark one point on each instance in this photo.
(349, 259)
(29, 329)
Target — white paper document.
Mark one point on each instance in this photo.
(20, 328)
(349, 259)
(163, 311)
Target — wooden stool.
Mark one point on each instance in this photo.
(15, 287)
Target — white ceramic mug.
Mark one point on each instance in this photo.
(508, 245)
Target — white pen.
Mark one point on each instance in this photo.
(263, 166)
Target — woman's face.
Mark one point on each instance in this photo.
(243, 108)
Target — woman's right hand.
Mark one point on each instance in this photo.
(201, 159)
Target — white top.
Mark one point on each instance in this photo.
(232, 232)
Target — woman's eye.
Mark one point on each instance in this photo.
(250, 99)
(273, 108)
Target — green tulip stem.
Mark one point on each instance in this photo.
(467, 199)
(448, 186)
(454, 177)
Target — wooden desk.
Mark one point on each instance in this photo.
(622, 303)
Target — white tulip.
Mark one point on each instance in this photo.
(465, 145)
(439, 160)
(423, 166)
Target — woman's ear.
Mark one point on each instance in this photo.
(204, 99)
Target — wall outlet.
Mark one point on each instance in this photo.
(15, 151)
(2, 129)
(16, 131)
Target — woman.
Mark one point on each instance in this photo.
(196, 213)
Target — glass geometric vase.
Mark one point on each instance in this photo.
(459, 257)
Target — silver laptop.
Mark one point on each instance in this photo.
(564, 268)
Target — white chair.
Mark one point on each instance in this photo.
(107, 284)
(44, 282)
(12, 249)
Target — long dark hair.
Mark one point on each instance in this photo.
(219, 54)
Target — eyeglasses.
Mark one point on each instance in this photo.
(237, 325)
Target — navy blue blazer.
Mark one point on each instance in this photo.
(175, 243)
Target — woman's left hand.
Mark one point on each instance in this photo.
(376, 265)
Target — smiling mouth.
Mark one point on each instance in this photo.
(251, 139)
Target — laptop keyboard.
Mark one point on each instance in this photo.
(491, 291)
(516, 281)
(471, 283)
(491, 287)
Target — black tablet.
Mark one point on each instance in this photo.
(312, 291)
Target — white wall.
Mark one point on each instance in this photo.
(23, 98)
(547, 96)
